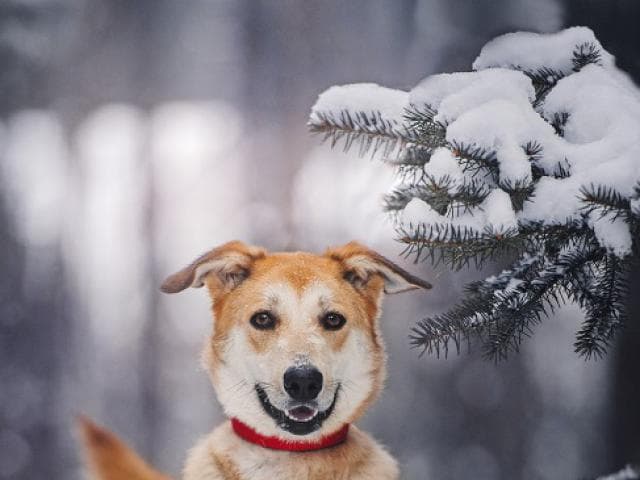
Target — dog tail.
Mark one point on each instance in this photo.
(111, 459)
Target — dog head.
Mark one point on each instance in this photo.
(296, 347)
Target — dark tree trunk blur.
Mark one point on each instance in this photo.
(615, 23)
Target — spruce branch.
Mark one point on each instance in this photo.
(476, 160)
(400, 197)
(586, 54)
(421, 120)
(603, 301)
(369, 130)
(552, 239)
(456, 326)
(461, 246)
(535, 152)
(605, 201)
(456, 246)
(543, 81)
(444, 194)
(559, 122)
(413, 156)
(500, 312)
(520, 191)
(556, 261)
(475, 315)
(533, 149)
(562, 169)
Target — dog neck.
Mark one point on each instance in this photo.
(247, 433)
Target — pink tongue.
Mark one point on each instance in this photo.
(301, 413)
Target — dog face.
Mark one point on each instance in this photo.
(296, 348)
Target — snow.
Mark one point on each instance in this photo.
(418, 211)
(556, 201)
(603, 133)
(627, 473)
(498, 211)
(452, 94)
(495, 214)
(531, 51)
(511, 287)
(361, 97)
(601, 144)
(504, 127)
(612, 233)
(444, 164)
(492, 109)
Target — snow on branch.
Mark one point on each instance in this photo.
(365, 113)
(566, 51)
(535, 153)
(627, 473)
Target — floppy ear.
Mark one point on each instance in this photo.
(227, 266)
(361, 263)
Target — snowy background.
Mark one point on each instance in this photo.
(135, 135)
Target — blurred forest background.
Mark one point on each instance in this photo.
(135, 135)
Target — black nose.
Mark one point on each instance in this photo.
(303, 383)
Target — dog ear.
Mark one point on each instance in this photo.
(360, 263)
(228, 265)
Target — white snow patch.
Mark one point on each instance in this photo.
(556, 201)
(498, 211)
(443, 164)
(601, 143)
(531, 51)
(361, 97)
(504, 127)
(627, 473)
(452, 94)
(418, 212)
(612, 233)
(495, 214)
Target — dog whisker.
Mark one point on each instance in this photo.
(237, 386)
(347, 385)
(268, 387)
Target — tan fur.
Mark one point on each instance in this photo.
(111, 459)
(298, 270)
(298, 289)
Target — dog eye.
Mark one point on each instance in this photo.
(333, 321)
(263, 320)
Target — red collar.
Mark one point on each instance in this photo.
(247, 433)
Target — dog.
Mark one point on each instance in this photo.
(295, 358)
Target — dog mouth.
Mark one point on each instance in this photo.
(301, 413)
(299, 419)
